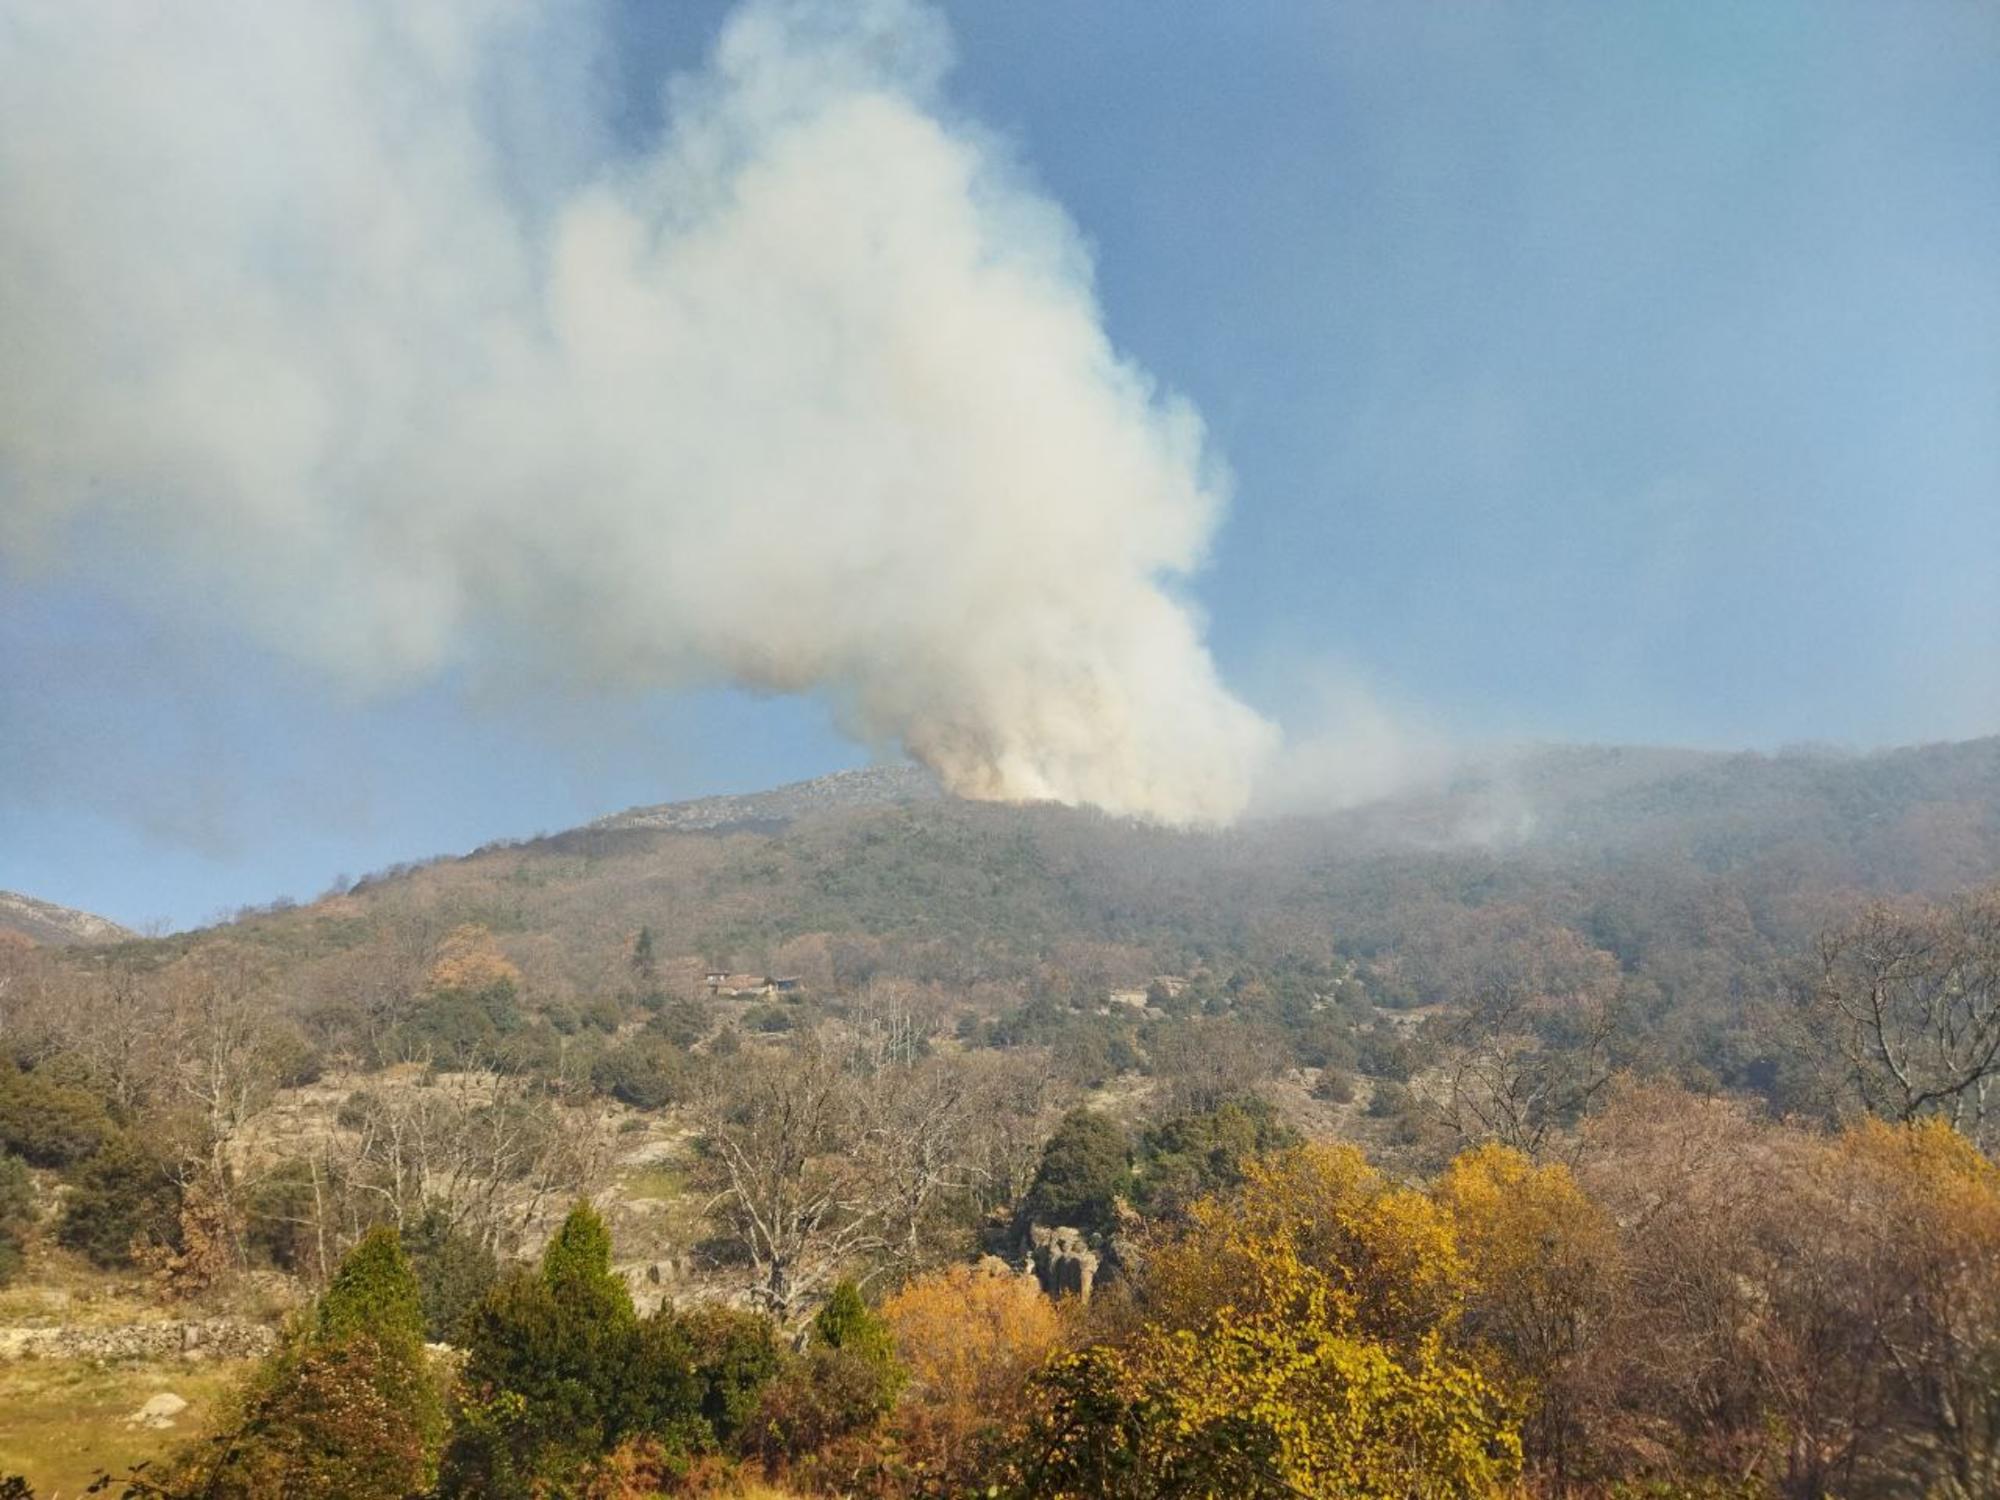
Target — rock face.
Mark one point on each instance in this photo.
(1064, 1263)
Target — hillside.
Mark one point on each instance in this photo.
(1701, 875)
(688, 1013)
(45, 922)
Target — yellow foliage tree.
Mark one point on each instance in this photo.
(1922, 1236)
(1543, 1262)
(1296, 1343)
(1386, 1255)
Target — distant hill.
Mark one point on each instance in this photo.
(1704, 877)
(1642, 849)
(873, 786)
(56, 926)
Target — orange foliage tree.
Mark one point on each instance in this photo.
(970, 1338)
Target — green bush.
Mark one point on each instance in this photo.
(454, 1272)
(560, 1372)
(1194, 1155)
(847, 1323)
(735, 1355)
(549, 1381)
(50, 1124)
(682, 1023)
(374, 1293)
(123, 1197)
(645, 1072)
(17, 1213)
(347, 1407)
(461, 1028)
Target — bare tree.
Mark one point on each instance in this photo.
(826, 1160)
(1531, 1048)
(797, 1188)
(496, 1155)
(1903, 1013)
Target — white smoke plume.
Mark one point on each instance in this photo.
(357, 325)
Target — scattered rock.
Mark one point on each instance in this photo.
(158, 1412)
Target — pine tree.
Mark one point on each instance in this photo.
(374, 1293)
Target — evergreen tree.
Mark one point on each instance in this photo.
(374, 1294)
(347, 1407)
(560, 1371)
(1085, 1168)
(645, 967)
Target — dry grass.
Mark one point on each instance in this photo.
(63, 1420)
(58, 1290)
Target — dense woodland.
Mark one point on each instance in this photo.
(1603, 1123)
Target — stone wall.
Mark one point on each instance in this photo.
(218, 1338)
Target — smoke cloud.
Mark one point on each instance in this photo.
(355, 325)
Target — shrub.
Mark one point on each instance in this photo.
(348, 1407)
(559, 1372)
(461, 1027)
(969, 1338)
(454, 1271)
(815, 1398)
(373, 1293)
(1295, 1344)
(17, 1213)
(1334, 1086)
(735, 1353)
(123, 1197)
(681, 1023)
(646, 1073)
(770, 1018)
(49, 1124)
(846, 1323)
(1193, 1155)
(1388, 1100)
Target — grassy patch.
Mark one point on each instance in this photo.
(662, 1180)
(63, 1420)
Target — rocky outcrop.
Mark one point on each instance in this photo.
(216, 1339)
(1064, 1263)
(45, 922)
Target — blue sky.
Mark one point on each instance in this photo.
(1609, 372)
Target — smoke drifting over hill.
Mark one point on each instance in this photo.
(356, 325)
